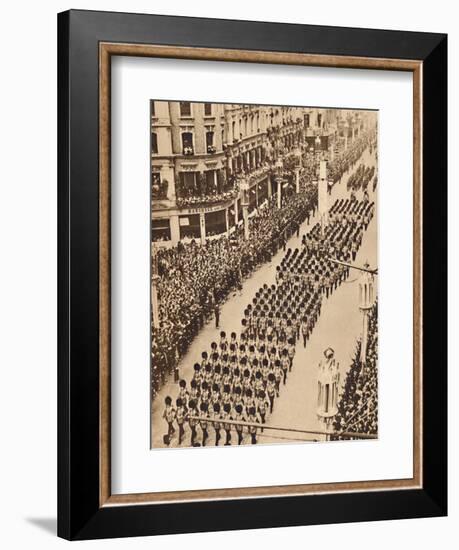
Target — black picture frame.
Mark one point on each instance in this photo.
(79, 513)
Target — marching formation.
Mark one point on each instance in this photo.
(194, 280)
(239, 377)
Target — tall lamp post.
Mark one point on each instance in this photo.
(323, 195)
(245, 207)
(297, 168)
(328, 378)
(366, 302)
(279, 166)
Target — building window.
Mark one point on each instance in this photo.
(215, 223)
(233, 131)
(306, 121)
(207, 109)
(153, 109)
(187, 143)
(188, 184)
(190, 227)
(319, 120)
(154, 143)
(210, 142)
(160, 230)
(159, 187)
(185, 108)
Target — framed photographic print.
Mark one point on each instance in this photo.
(252, 274)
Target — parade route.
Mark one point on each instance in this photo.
(340, 317)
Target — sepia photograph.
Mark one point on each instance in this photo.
(264, 274)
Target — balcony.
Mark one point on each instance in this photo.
(206, 191)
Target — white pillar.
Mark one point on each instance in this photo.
(323, 194)
(175, 229)
(279, 193)
(245, 214)
(297, 179)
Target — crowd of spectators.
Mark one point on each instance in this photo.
(194, 277)
(358, 406)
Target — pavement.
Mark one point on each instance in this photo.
(339, 326)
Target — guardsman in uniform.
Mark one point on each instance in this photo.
(169, 417)
(204, 414)
(204, 360)
(304, 327)
(217, 374)
(271, 390)
(216, 423)
(183, 392)
(193, 422)
(227, 427)
(262, 406)
(239, 428)
(197, 373)
(237, 396)
(253, 429)
(205, 392)
(277, 376)
(215, 394)
(194, 391)
(180, 415)
(285, 363)
(208, 375)
(258, 384)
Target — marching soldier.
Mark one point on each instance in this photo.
(227, 427)
(193, 422)
(262, 406)
(239, 428)
(253, 429)
(180, 416)
(204, 413)
(217, 425)
(169, 417)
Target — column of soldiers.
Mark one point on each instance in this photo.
(236, 383)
